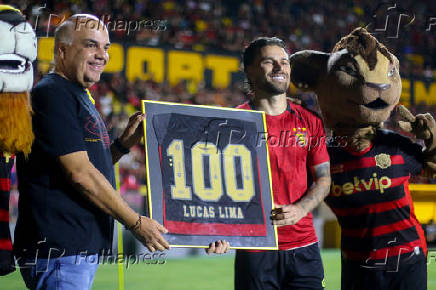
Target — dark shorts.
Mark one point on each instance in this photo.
(300, 268)
(407, 276)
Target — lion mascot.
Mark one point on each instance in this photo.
(358, 86)
(17, 51)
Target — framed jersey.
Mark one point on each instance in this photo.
(208, 175)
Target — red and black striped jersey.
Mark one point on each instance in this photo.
(6, 163)
(371, 199)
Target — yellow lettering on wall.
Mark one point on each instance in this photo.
(116, 58)
(137, 57)
(45, 53)
(422, 94)
(184, 66)
(405, 92)
(150, 63)
(292, 89)
(222, 67)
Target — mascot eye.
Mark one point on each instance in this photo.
(348, 69)
(391, 72)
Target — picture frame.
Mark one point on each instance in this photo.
(208, 175)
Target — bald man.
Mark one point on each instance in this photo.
(67, 197)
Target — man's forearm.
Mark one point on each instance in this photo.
(319, 189)
(118, 150)
(116, 155)
(315, 195)
(99, 191)
(89, 181)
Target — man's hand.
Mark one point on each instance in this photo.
(134, 130)
(148, 232)
(131, 135)
(218, 247)
(289, 214)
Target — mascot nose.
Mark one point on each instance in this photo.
(379, 87)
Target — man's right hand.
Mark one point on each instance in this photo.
(149, 234)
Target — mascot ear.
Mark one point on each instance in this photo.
(307, 68)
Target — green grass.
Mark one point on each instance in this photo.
(215, 272)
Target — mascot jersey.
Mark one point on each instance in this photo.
(6, 162)
(295, 143)
(17, 52)
(371, 199)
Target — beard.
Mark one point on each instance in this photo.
(16, 133)
(274, 87)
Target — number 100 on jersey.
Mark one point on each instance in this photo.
(208, 175)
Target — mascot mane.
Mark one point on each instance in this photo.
(360, 41)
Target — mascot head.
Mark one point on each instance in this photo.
(358, 84)
(17, 52)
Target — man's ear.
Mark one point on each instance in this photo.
(60, 49)
(307, 68)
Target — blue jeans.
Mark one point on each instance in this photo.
(64, 273)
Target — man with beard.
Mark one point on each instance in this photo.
(17, 51)
(296, 142)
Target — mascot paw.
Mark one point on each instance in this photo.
(430, 170)
(423, 126)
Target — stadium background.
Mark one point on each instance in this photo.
(189, 51)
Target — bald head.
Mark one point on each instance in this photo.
(80, 51)
(75, 23)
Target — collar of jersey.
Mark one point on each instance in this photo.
(358, 153)
(76, 87)
(288, 106)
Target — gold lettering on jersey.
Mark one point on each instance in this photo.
(358, 185)
(198, 211)
(208, 212)
(230, 212)
(383, 160)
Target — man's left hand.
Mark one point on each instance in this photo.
(134, 130)
(289, 214)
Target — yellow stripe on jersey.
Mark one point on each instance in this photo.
(90, 96)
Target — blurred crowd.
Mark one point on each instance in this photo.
(227, 25)
(205, 25)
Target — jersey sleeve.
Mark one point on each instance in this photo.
(317, 144)
(412, 154)
(161, 123)
(56, 121)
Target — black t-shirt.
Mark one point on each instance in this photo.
(54, 218)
